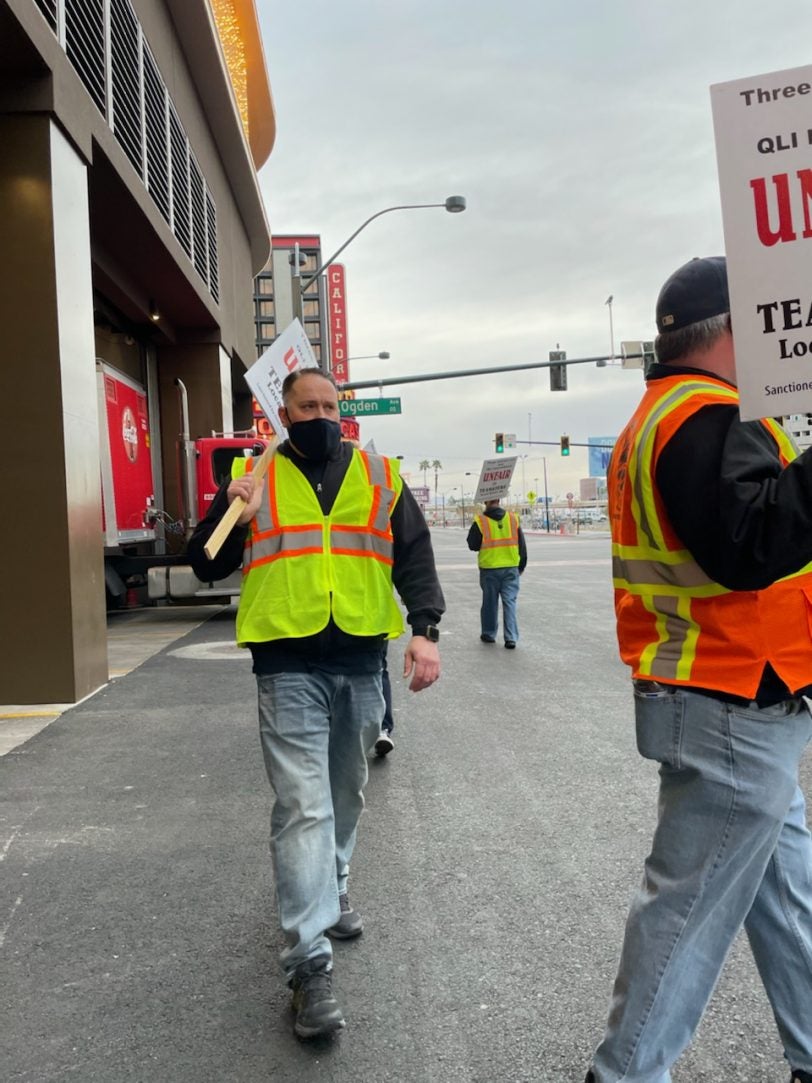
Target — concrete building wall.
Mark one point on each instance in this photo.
(52, 617)
(92, 266)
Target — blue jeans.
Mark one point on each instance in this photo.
(315, 730)
(388, 723)
(731, 848)
(499, 583)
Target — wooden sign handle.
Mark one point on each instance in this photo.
(237, 505)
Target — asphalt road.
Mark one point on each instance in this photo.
(500, 846)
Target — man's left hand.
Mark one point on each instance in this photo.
(422, 661)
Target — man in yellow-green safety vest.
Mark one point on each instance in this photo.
(322, 543)
(498, 539)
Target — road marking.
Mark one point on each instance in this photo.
(5, 928)
(15, 832)
(31, 714)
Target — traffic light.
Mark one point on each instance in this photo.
(565, 445)
(558, 373)
(499, 442)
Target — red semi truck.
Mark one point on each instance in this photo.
(143, 546)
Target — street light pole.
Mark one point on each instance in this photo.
(546, 498)
(609, 301)
(454, 205)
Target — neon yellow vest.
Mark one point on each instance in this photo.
(302, 567)
(500, 541)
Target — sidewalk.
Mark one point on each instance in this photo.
(132, 636)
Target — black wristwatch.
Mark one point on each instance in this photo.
(431, 632)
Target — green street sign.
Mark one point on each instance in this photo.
(368, 407)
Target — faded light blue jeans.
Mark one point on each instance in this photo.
(315, 730)
(731, 848)
(499, 583)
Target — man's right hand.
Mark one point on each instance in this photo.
(250, 490)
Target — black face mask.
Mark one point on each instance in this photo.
(316, 439)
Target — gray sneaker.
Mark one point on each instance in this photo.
(317, 1010)
(349, 924)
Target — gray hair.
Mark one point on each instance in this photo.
(675, 345)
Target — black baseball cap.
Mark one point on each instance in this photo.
(697, 291)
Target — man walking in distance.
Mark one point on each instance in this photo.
(711, 542)
(498, 539)
(322, 544)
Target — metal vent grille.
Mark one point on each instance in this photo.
(125, 66)
(200, 253)
(211, 226)
(84, 45)
(155, 105)
(48, 9)
(104, 43)
(181, 223)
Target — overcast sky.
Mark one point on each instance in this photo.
(580, 135)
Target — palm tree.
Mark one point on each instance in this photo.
(424, 466)
(436, 465)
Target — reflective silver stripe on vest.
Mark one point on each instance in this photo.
(360, 543)
(287, 542)
(666, 660)
(640, 576)
(376, 470)
(263, 519)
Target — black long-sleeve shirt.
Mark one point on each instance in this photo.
(746, 519)
(413, 573)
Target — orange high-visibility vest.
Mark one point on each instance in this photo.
(301, 567)
(675, 624)
(500, 541)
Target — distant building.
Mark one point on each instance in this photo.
(274, 288)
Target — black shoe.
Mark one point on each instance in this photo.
(487, 639)
(799, 1076)
(317, 1010)
(590, 1077)
(350, 923)
(510, 644)
(384, 744)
